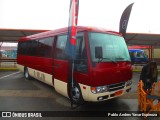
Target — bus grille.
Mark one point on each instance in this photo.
(117, 86)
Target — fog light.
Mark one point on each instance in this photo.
(100, 98)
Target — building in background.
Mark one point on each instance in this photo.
(8, 50)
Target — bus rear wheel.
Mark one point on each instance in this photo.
(75, 94)
(26, 74)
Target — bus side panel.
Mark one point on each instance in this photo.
(39, 68)
(38, 63)
(61, 87)
(61, 70)
(61, 76)
(42, 76)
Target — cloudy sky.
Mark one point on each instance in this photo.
(53, 14)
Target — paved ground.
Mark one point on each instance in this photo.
(19, 94)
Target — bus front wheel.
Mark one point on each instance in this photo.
(26, 73)
(75, 94)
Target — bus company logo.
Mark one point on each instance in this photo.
(124, 24)
(6, 114)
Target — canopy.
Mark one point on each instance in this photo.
(13, 35)
(143, 39)
(138, 39)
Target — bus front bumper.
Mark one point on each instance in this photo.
(96, 97)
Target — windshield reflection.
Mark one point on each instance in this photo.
(113, 47)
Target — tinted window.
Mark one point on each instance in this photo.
(33, 48)
(45, 47)
(41, 47)
(60, 46)
(80, 47)
(22, 48)
(81, 64)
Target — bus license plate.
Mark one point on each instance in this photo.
(118, 93)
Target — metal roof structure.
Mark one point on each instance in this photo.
(143, 39)
(140, 39)
(138, 47)
(13, 35)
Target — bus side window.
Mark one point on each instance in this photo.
(60, 46)
(23, 48)
(45, 47)
(80, 49)
(81, 56)
(34, 45)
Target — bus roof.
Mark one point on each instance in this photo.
(64, 30)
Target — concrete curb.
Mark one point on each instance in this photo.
(8, 68)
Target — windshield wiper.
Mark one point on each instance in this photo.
(123, 59)
(101, 59)
(120, 58)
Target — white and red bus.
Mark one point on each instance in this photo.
(102, 67)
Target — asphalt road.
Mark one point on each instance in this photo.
(19, 94)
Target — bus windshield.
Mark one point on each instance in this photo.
(113, 47)
(140, 55)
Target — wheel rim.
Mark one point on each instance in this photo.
(26, 73)
(75, 93)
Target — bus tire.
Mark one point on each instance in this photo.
(75, 94)
(26, 74)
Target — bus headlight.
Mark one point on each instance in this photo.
(128, 83)
(99, 89)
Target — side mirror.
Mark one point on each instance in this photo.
(98, 52)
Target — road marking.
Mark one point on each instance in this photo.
(9, 75)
